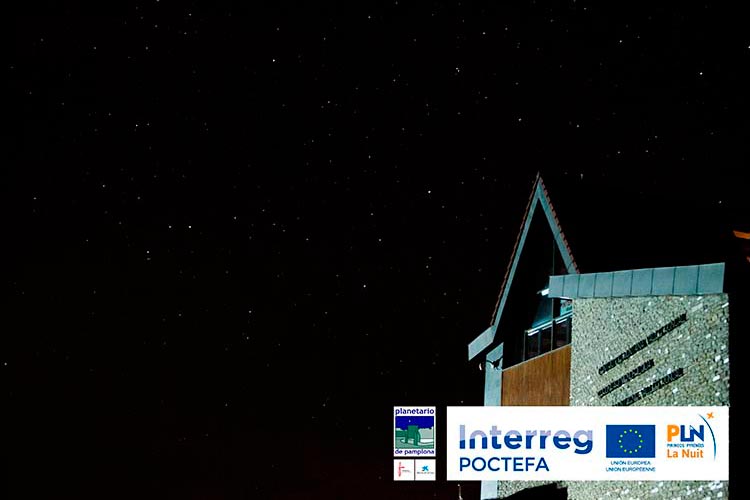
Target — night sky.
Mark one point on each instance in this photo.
(235, 235)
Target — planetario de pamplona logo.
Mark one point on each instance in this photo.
(587, 443)
(414, 431)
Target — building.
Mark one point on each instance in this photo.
(654, 336)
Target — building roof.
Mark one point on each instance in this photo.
(538, 199)
(680, 280)
(631, 225)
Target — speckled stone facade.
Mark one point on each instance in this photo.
(507, 488)
(697, 343)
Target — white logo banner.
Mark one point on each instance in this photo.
(584, 443)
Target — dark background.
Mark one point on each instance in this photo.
(237, 234)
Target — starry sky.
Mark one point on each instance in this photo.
(237, 234)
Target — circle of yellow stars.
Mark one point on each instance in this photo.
(631, 433)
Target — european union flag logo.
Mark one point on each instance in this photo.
(631, 441)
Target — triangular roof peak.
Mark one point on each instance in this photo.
(538, 200)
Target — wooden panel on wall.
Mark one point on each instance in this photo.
(541, 381)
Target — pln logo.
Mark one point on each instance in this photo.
(631, 441)
(693, 440)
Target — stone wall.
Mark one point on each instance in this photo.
(662, 350)
(507, 488)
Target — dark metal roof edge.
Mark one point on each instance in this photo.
(702, 285)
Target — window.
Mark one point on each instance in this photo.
(562, 331)
(532, 344)
(552, 332)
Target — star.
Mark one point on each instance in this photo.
(710, 415)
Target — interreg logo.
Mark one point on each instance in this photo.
(580, 441)
(688, 440)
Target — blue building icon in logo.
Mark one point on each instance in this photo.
(631, 441)
(414, 432)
